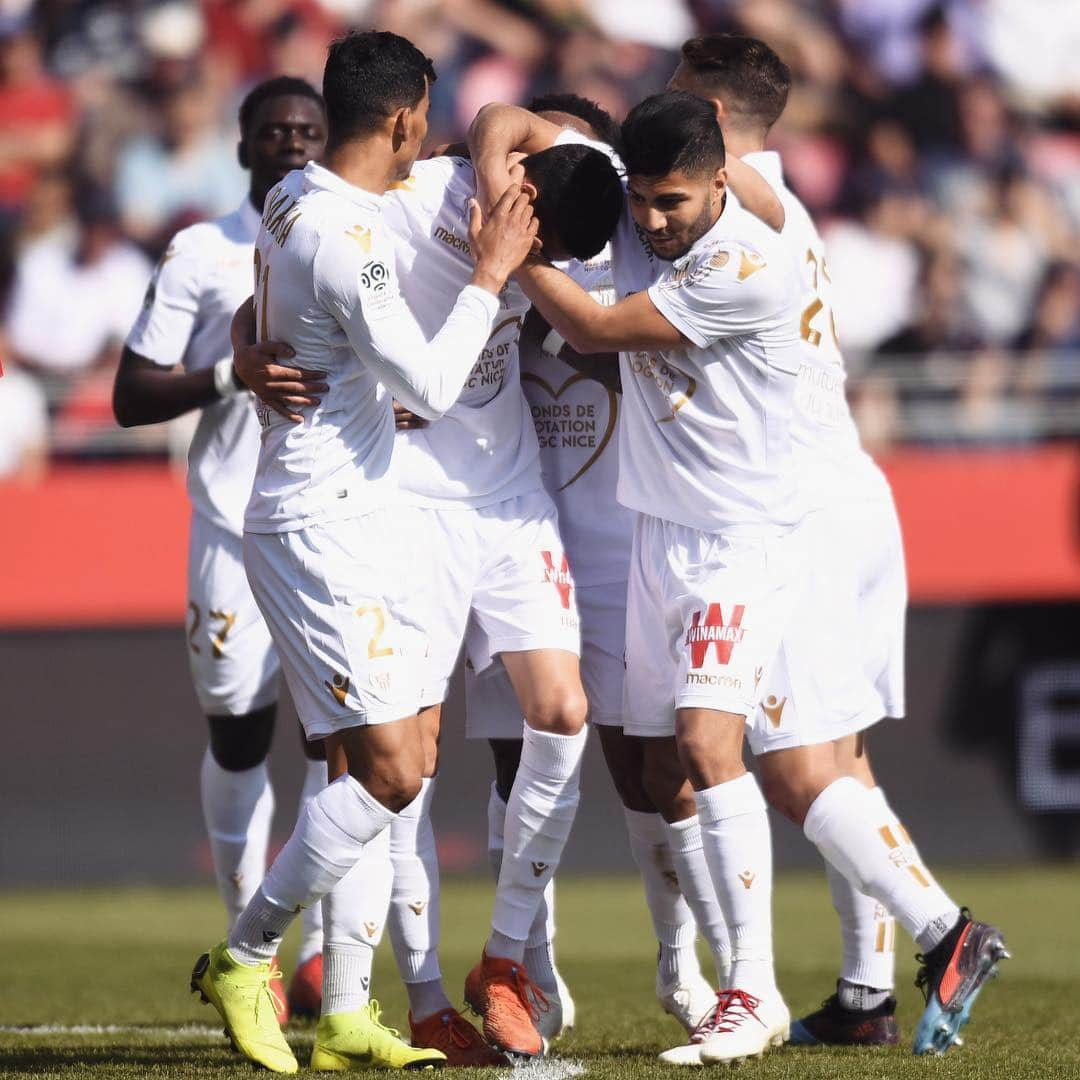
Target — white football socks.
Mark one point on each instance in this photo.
(874, 852)
(414, 905)
(238, 808)
(539, 816)
(738, 849)
(672, 921)
(867, 930)
(695, 881)
(354, 914)
(311, 920)
(326, 844)
(540, 947)
(496, 817)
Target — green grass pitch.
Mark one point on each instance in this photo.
(104, 973)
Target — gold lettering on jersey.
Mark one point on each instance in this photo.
(671, 381)
(572, 427)
(361, 235)
(450, 239)
(490, 367)
(279, 216)
(719, 260)
(749, 263)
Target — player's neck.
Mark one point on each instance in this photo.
(737, 143)
(368, 165)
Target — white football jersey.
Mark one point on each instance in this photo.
(830, 460)
(483, 450)
(705, 439)
(203, 277)
(577, 425)
(325, 282)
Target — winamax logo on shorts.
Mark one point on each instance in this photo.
(559, 576)
(702, 634)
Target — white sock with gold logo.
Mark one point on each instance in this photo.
(311, 925)
(539, 816)
(237, 808)
(737, 843)
(874, 852)
(414, 905)
(354, 915)
(867, 930)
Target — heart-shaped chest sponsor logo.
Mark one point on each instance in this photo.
(578, 430)
(673, 383)
(489, 372)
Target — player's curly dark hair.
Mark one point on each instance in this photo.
(282, 86)
(579, 197)
(595, 115)
(368, 76)
(672, 132)
(751, 80)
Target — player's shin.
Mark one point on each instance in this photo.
(238, 806)
(672, 921)
(692, 870)
(325, 845)
(738, 850)
(874, 852)
(539, 816)
(414, 906)
(311, 919)
(868, 933)
(354, 914)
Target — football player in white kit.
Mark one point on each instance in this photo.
(202, 277)
(841, 665)
(330, 561)
(707, 329)
(475, 476)
(575, 411)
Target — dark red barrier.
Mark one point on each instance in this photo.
(105, 545)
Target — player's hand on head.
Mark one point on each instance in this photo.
(283, 387)
(495, 175)
(502, 241)
(404, 420)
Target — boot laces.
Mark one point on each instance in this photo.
(460, 1032)
(529, 994)
(374, 1011)
(732, 1008)
(278, 1002)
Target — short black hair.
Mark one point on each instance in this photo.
(746, 74)
(369, 75)
(594, 114)
(282, 86)
(579, 197)
(672, 132)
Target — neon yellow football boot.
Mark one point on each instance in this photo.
(242, 997)
(359, 1040)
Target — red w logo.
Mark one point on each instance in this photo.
(712, 631)
(559, 576)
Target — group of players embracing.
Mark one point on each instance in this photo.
(572, 398)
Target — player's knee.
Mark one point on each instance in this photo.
(707, 762)
(560, 710)
(238, 743)
(664, 784)
(394, 787)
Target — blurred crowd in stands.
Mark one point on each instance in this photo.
(937, 144)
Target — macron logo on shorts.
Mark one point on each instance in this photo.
(714, 631)
(559, 576)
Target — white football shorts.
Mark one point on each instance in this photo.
(233, 663)
(491, 707)
(840, 668)
(506, 564)
(346, 603)
(705, 616)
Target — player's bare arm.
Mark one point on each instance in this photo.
(602, 368)
(497, 132)
(281, 387)
(631, 325)
(146, 393)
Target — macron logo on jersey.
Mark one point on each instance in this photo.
(559, 576)
(701, 634)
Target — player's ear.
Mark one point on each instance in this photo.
(530, 189)
(719, 182)
(400, 124)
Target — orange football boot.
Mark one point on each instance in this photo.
(509, 1002)
(451, 1033)
(305, 989)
